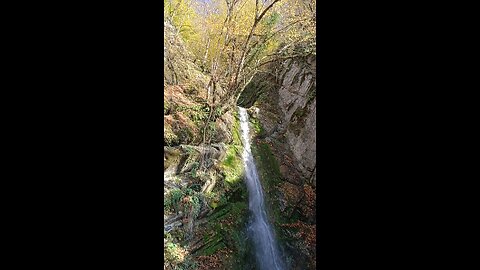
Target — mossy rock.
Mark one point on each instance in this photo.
(172, 157)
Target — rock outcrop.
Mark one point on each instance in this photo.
(285, 100)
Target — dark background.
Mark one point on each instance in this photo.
(83, 138)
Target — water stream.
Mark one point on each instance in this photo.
(260, 230)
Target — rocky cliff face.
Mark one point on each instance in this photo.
(282, 103)
(297, 95)
(286, 110)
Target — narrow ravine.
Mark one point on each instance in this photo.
(261, 232)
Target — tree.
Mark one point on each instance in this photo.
(255, 33)
(233, 40)
(180, 13)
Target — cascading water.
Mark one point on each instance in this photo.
(266, 249)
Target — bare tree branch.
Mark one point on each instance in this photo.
(269, 7)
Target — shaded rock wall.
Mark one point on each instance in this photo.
(287, 113)
(287, 116)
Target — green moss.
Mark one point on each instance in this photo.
(270, 176)
(226, 227)
(220, 212)
(257, 127)
(268, 167)
(213, 248)
(232, 164)
(223, 200)
(226, 224)
(230, 161)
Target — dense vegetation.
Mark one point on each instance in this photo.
(233, 40)
(214, 51)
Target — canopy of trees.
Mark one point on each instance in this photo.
(233, 39)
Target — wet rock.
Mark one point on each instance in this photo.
(288, 115)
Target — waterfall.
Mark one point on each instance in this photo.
(266, 249)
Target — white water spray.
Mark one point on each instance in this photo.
(266, 248)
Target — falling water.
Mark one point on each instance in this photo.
(266, 249)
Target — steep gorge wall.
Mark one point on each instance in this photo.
(205, 196)
(282, 105)
(287, 113)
